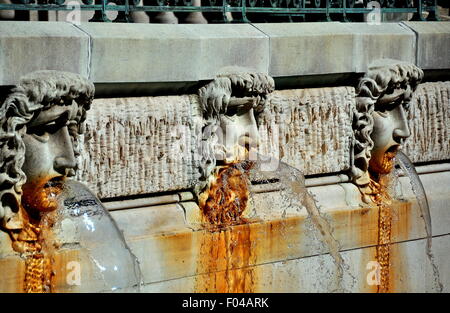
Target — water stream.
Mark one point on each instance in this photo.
(419, 191)
(106, 263)
(292, 183)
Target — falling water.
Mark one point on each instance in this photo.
(418, 189)
(222, 204)
(107, 263)
(293, 181)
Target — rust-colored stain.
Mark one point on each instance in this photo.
(224, 243)
(38, 273)
(41, 196)
(393, 216)
(229, 249)
(37, 211)
(383, 246)
(383, 201)
(225, 198)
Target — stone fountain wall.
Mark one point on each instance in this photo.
(142, 133)
(150, 144)
(136, 146)
(145, 145)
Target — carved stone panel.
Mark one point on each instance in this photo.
(140, 145)
(151, 144)
(429, 122)
(310, 129)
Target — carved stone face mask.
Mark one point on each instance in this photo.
(49, 151)
(389, 130)
(239, 131)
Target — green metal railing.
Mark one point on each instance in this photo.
(246, 10)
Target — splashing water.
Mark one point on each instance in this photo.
(106, 262)
(418, 189)
(293, 181)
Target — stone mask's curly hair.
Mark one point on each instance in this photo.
(36, 92)
(238, 84)
(381, 79)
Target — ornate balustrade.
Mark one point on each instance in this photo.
(242, 10)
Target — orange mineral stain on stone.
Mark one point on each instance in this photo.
(226, 246)
(226, 260)
(383, 201)
(225, 198)
(393, 220)
(383, 246)
(34, 240)
(38, 263)
(41, 196)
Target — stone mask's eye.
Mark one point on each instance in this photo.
(383, 113)
(40, 133)
(231, 111)
(383, 110)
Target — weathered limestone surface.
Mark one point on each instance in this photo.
(166, 52)
(294, 48)
(188, 53)
(310, 129)
(433, 44)
(429, 122)
(306, 49)
(28, 47)
(150, 144)
(411, 272)
(140, 145)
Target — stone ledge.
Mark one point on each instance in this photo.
(433, 44)
(164, 53)
(307, 48)
(171, 249)
(155, 53)
(30, 46)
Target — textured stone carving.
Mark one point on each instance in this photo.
(41, 120)
(230, 129)
(310, 129)
(429, 122)
(141, 145)
(153, 144)
(380, 123)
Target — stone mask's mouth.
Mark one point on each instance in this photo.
(54, 182)
(41, 196)
(225, 198)
(393, 149)
(386, 164)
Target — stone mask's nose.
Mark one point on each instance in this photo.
(401, 132)
(65, 162)
(65, 165)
